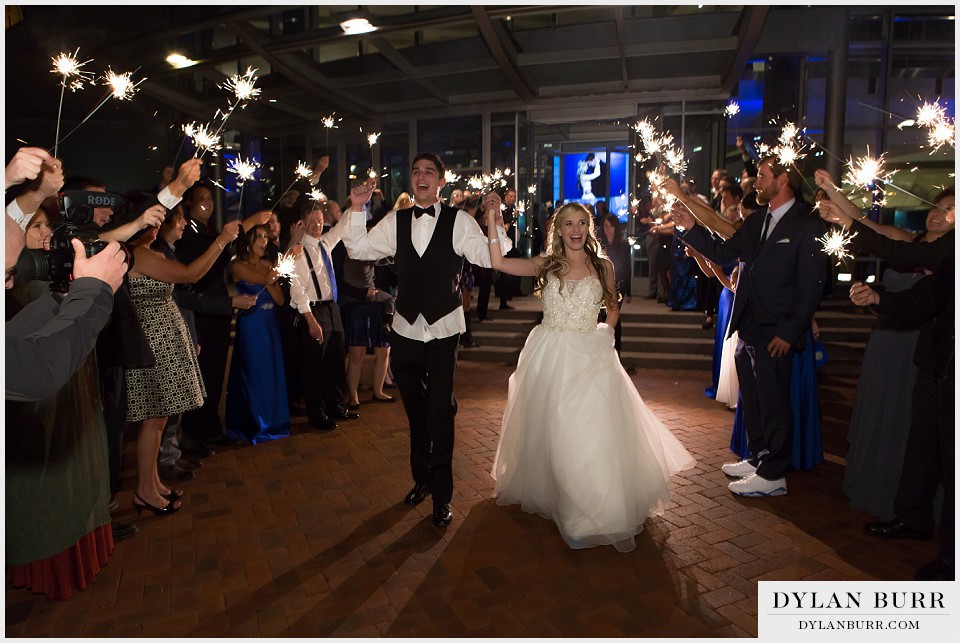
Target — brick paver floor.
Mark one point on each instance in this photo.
(306, 536)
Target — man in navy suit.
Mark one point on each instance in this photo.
(781, 280)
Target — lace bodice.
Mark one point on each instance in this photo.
(576, 308)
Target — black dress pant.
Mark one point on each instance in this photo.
(930, 459)
(483, 280)
(113, 392)
(213, 333)
(424, 375)
(765, 396)
(324, 365)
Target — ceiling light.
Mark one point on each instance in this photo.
(180, 61)
(356, 26)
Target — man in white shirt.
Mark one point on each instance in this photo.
(313, 294)
(429, 243)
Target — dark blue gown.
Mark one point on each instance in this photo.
(683, 278)
(257, 408)
(805, 402)
(724, 308)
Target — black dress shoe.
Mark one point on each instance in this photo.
(897, 529)
(326, 424)
(196, 449)
(348, 415)
(939, 568)
(442, 516)
(122, 531)
(224, 441)
(417, 495)
(188, 465)
(173, 472)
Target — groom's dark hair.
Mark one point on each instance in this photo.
(433, 158)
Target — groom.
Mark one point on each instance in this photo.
(429, 243)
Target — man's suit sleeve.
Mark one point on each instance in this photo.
(713, 248)
(811, 272)
(43, 352)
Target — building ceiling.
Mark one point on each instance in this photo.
(557, 63)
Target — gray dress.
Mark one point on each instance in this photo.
(881, 411)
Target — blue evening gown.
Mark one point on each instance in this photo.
(805, 401)
(683, 279)
(257, 408)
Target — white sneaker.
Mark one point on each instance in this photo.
(753, 486)
(740, 469)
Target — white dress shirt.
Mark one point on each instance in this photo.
(776, 215)
(469, 241)
(302, 290)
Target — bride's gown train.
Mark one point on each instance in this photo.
(578, 444)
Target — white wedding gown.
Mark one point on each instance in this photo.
(578, 444)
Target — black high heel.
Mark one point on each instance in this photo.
(174, 495)
(170, 508)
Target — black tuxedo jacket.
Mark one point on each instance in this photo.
(781, 283)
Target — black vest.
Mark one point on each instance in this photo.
(428, 285)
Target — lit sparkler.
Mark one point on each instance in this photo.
(244, 169)
(330, 122)
(317, 195)
(732, 109)
(865, 171)
(929, 114)
(121, 86)
(303, 171)
(451, 177)
(68, 66)
(243, 86)
(531, 189)
(285, 268)
(205, 140)
(836, 243)
(942, 133)
(372, 138)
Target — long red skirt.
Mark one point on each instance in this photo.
(73, 568)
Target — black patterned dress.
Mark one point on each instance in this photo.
(174, 384)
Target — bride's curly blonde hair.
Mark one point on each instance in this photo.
(556, 261)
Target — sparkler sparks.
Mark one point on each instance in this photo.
(531, 189)
(121, 86)
(244, 169)
(930, 114)
(942, 133)
(835, 244)
(204, 138)
(317, 195)
(303, 171)
(451, 177)
(865, 171)
(286, 265)
(330, 122)
(68, 66)
(372, 138)
(732, 109)
(243, 85)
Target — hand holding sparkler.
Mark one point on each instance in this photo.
(863, 295)
(360, 195)
(187, 175)
(25, 165)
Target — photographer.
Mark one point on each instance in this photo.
(47, 341)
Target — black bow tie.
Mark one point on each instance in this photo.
(418, 211)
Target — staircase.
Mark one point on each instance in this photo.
(655, 337)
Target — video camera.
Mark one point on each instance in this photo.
(56, 264)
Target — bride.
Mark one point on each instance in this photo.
(578, 444)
